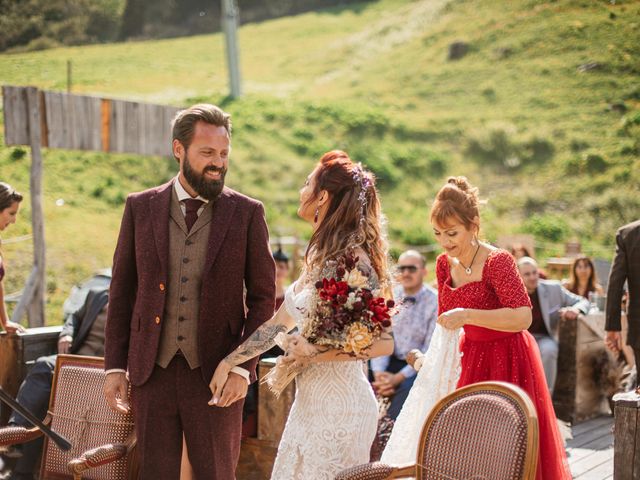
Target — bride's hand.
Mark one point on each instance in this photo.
(454, 319)
(299, 349)
(218, 381)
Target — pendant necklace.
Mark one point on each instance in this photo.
(467, 270)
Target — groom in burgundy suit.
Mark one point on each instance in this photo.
(193, 276)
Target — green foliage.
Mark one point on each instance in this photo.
(500, 145)
(550, 227)
(40, 24)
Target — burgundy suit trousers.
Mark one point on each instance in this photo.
(173, 401)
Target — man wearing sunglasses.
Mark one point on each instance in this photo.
(412, 328)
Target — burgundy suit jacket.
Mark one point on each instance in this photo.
(238, 256)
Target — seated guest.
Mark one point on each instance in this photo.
(82, 334)
(550, 302)
(412, 329)
(519, 250)
(583, 279)
(282, 275)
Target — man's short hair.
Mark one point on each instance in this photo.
(413, 254)
(527, 261)
(184, 123)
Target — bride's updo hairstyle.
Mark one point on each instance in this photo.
(354, 217)
(457, 200)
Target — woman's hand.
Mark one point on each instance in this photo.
(413, 356)
(12, 327)
(218, 381)
(454, 319)
(299, 350)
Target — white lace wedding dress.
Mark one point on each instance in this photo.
(332, 422)
(436, 378)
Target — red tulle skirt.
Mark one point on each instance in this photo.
(514, 357)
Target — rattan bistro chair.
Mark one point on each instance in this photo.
(488, 430)
(102, 440)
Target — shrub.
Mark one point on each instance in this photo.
(550, 227)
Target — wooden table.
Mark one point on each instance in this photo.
(582, 386)
(18, 353)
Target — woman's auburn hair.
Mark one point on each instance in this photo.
(341, 229)
(456, 200)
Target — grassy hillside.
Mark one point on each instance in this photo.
(554, 149)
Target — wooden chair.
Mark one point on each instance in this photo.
(102, 440)
(487, 430)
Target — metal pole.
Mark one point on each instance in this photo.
(230, 26)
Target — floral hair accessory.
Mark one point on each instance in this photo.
(361, 180)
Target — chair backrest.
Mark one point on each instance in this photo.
(80, 412)
(488, 430)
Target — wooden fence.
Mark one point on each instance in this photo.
(80, 122)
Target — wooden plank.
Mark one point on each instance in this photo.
(156, 130)
(117, 126)
(16, 116)
(590, 463)
(44, 130)
(105, 113)
(134, 128)
(58, 120)
(35, 310)
(605, 442)
(604, 431)
(86, 122)
(600, 472)
(625, 441)
(583, 427)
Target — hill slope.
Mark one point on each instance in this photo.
(543, 113)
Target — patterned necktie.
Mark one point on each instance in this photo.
(192, 206)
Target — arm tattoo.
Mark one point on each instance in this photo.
(258, 342)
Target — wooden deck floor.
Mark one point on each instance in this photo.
(590, 452)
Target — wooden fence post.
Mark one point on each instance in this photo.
(35, 310)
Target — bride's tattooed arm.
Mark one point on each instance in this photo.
(258, 342)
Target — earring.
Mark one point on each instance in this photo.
(315, 217)
(474, 242)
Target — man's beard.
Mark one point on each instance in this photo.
(209, 189)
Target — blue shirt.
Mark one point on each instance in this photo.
(413, 326)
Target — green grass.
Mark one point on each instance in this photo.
(515, 115)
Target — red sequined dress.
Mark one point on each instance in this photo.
(504, 356)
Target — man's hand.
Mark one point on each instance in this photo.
(413, 355)
(613, 341)
(569, 313)
(116, 389)
(385, 383)
(64, 344)
(234, 389)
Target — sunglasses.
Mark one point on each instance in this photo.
(408, 268)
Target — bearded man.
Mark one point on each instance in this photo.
(193, 276)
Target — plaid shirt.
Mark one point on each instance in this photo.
(413, 326)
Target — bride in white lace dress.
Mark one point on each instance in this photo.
(333, 420)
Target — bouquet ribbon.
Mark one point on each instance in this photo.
(282, 374)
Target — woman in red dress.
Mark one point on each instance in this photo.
(479, 289)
